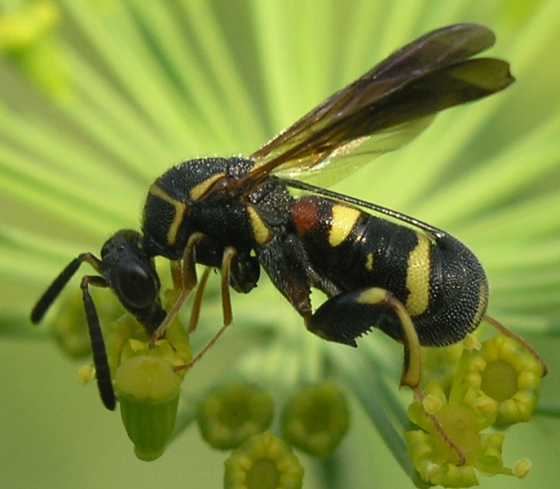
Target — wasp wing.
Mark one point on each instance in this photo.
(437, 48)
(344, 160)
(421, 79)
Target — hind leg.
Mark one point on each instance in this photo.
(347, 316)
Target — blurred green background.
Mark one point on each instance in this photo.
(100, 97)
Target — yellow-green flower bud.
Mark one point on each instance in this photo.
(263, 462)
(521, 468)
(86, 373)
(148, 391)
(501, 379)
(68, 323)
(69, 328)
(231, 414)
(438, 363)
(126, 338)
(496, 380)
(490, 458)
(316, 419)
(434, 468)
(433, 401)
(436, 462)
(147, 380)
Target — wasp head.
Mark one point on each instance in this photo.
(131, 273)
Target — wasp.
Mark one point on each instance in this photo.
(378, 267)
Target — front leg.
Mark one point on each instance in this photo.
(229, 255)
(187, 283)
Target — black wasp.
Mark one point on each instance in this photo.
(378, 267)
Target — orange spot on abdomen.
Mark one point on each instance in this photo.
(306, 215)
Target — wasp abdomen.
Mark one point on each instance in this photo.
(459, 294)
(440, 282)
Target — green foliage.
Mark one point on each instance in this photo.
(103, 96)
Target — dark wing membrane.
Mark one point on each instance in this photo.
(425, 77)
(436, 49)
(344, 160)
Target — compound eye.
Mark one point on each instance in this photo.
(135, 287)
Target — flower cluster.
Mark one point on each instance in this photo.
(68, 323)
(314, 420)
(231, 414)
(263, 462)
(493, 384)
(147, 378)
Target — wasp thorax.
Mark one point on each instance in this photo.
(173, 198)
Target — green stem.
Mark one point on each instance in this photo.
(355, 372)
(331, 471)
(548, 410)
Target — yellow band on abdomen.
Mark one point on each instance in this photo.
(343, 221)
(418, 277)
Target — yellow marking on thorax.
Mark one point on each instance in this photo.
(343, 221)
(162, 194)
(418, 277)
(200, 189)
(180, 212)
(369, 262)
(260, 229)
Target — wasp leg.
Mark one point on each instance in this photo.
(175, 268)
(197, 303)
(347, 316)
(506, 332)
(229, 254)
(188, 283)
(102, 371)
